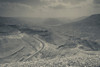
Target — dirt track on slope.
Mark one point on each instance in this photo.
(32, 53)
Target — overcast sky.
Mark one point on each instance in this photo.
(49, 8)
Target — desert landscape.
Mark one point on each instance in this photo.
(75, 44)
(49, 33)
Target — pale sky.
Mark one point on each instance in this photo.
(49, 8)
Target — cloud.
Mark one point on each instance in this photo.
(59, 6)
(66, 4)
(66, 1)
(74, 1)
(15, 9)
(68, 8)
(97, 1)
(49, 8)
(34, 3)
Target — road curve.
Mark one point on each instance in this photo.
(33, 54)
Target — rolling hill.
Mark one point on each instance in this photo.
(76, 43)
(83, 31)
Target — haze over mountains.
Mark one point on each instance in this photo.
(87, 28)
(88, 25)
(22, 40)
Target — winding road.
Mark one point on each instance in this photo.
(32, 53)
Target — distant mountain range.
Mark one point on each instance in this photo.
(85, 32)
(89, 25)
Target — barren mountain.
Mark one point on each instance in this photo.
(74, 43)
